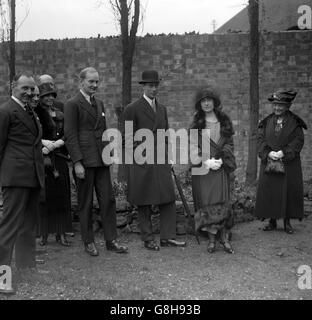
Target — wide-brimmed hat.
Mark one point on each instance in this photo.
(150, 76)
(208, 92)
(283, 96)
(45, 89)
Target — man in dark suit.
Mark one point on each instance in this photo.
(151, 184)
(84, 124)
(21, 174)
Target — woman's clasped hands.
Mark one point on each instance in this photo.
(213, 164)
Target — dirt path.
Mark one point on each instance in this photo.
(263, 267)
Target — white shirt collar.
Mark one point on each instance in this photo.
(19, 102)
(87, 97)
(149, 100)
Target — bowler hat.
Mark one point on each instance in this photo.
(150, 76)
(208, 92)
(283, 96)
(45, 89)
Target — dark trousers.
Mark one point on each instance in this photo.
(18, 226)
(100, 179)
(167, 221)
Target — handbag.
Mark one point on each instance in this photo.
(275, 166)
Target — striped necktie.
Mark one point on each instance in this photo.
(153, 105)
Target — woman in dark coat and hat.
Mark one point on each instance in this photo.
(280, 140)
(55, 210)
(211, 189)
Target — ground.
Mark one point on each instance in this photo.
(264, 266)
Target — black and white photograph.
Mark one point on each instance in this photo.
(155, 155)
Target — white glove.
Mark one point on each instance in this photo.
(58, 143)
(45, 150)
(273, 155)
(213, 164)
(217, 164)
(280, 154)
(48, 144)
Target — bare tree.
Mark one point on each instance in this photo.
(252, 163)
(127, 12)
(8, 29)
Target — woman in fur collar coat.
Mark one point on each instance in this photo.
(280, 138)
(211, 188)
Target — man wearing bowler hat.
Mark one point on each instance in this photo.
(151, 184)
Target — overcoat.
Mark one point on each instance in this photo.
(84, 127)
(21, 160)
(281, 195)
(214, 187)
(148, 184)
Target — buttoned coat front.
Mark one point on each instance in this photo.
(281, 195)
(84, 127)
(21, 160)
(148, 184)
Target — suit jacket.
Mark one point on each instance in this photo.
(84, 127)
(21, 160)
(148, 183)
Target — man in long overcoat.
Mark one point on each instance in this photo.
(21, 174)
(281, 138)
(150, 184)
(84, 124)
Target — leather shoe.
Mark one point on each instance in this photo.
(227, 247)
(43, 240)
(62, 240)
(114, 246)
(270, 226)
(172, 243)
(91, 249)
(151, 245)
(287, 227)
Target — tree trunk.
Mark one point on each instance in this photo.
(12, 43)
(252, 164)
(128, 46)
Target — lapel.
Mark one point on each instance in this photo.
(270, 134)
(39, 128)
(158, 115)
(214, 147)
(25, 118)
(99, 113)
(147, 109)
(86, 105)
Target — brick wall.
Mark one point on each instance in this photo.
(185, 63)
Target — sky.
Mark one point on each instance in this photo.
(59, 19)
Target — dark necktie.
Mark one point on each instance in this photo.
(29, 110)
(93, 102)
(153, 105)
